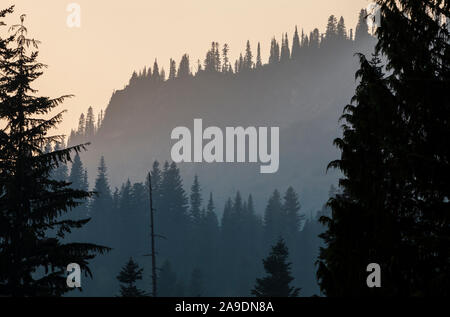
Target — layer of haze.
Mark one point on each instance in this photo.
(117, 37)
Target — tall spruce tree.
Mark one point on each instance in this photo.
(393, 209)
(361, 230)
(258, 56)
(76, 177)
(172, 213)
(279, 279)
(314, 39)
(81, 132)
(184, 70)
(274, 52)
(33, 256)
(273, 219)
(156, 76)
(128, 276)
(90, 123)
(209, 235)
(291, 208)
(210, 225)
(362, 29)
(172, 70)
(248, 59)
(341, 30)
(102, 201)
(295, 45)
(156, 178)
(331, 31)
(196, 202)
(126, 196)
(285, 51)
(225, 58)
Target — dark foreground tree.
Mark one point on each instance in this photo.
(362, 229)
(278, 281)
(130, 274)
(33, 257)
(394, 207)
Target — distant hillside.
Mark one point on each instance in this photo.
(303, 90)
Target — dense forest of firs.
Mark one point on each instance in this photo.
(215, 224)
(199, 253)
(217, 245)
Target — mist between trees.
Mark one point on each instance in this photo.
(391, 208)
(228, 240)
(203, 253)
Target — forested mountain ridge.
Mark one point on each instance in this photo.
(229, 229)
(301, 90)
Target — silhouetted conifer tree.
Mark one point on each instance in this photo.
(278, 281)
(296, 45)
(248, 59)
(149, 73)
(210, 235)
(362, 29)
(305, 41)
(184, 69)
(274, 52)
(130, 274)
(210, 222)
(90, 123)
(99, 120)
(173, 69)
(212, 60)
(156, 178)
(291, 208)
(102, 201)
(81, 126)
(258, 56)
(156, 74)
(273, 219)
(341, 30)
(172, 213)
(33, 255)
(126, 198)
(116, 199)
(395, 185)
(331, 31)
(217, 61)
(196, 202)
(225, 58)
(285, 51)
(314, 39)
(76, 177)
(241, 63)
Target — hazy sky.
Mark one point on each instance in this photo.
(117, 37)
